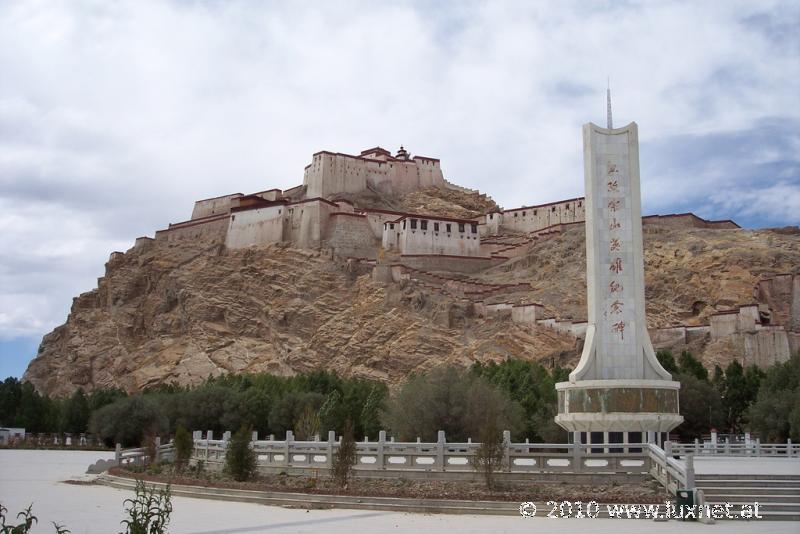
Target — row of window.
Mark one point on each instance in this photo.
(524, 213)
(423, 224)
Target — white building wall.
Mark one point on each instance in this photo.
(531, 219)
(213, 206)
(255, 227)
(456, 242)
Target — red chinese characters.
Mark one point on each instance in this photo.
(619, 328)
(615, 245)
(616, 266)
(616, 307)
(614, 204)
(615, 287)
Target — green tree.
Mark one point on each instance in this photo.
(184, 444)
(240, 458)
(775, 416)
(450, 399)
(127, 420)
(701, 407)
(689, 365)
(76, 413)
(10, 396)
(667, 361)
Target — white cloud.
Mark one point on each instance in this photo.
(114, 117)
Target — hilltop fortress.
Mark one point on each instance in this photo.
(318, 213)
(378, 266)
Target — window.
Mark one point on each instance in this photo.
(523, 214)
(534, 213)
(413, 224)
(404, 225)
(516, 214)
(474, 228)
(579, 204)
(491, 216)
(460, 227)
(554, 208)
(435, 227)
(391, 226)
(424, 224)
(448, 228)
(567, 206)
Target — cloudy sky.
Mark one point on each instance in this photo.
(116, 116)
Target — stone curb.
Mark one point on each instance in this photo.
(322, 501)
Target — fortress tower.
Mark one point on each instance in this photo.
(619, 393)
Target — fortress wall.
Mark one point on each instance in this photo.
(349, 234)
(376, 220)
(782, 294)
(687, 220)
(212, 230)
(668, 337)
(256, 227)
(461, 264)
(724, 324)
(429, 241)
(429, 171)
(531, 219)
(307, 222)
(213, 206)
(526, 313)
(764, 348)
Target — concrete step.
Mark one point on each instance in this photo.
(766, 507)
(706, 476)
(759, 498)
(732, 490)
(748, 483)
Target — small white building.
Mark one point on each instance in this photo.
(428, 234)
(10, 435)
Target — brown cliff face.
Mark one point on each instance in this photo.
(182, 312)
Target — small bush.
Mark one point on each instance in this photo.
(345, 457)
(149, 511)
(489, 456)
(240, 459)
(184, 444)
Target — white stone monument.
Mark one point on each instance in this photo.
(619, 388)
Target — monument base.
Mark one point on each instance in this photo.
(647, 406)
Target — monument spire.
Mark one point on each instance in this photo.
(609, 124)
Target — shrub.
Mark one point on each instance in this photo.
(240, 459)
(149, 511)
(184, 444)
(345, 456)
(490, 454)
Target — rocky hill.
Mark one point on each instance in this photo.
(182, 311)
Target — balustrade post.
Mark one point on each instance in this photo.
(727, 445)
(331, 441)
(758, 446)
(226, 437)
(507, 450)
(690, 484)
(287, 447)
(789, 448)
(668, 449)
(254, 435)
(577, 455)
(440, 441)
(118, 454)
(381, 442)
(158, 450)
(713, 442)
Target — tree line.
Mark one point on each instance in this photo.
(513, 395)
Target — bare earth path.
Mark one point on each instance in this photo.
(36, 476)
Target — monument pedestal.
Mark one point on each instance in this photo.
(618, 405)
